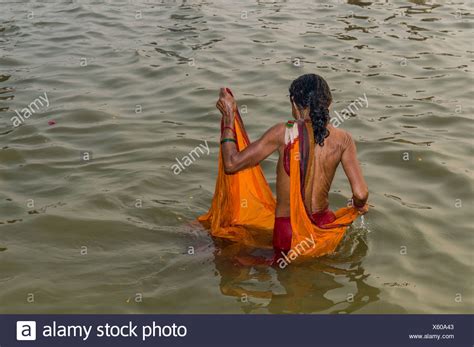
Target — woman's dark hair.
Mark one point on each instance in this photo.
(312, 91)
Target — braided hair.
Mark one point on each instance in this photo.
(312, 91)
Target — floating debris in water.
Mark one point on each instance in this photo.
(395, 284)
(14, 221)
(51, 122)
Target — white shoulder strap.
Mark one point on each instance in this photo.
(291, 132)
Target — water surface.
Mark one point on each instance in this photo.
(133, 84)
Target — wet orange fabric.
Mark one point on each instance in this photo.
(243, 208)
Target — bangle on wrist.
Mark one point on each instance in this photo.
(228, 139)
(230, 128)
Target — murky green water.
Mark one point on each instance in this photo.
(133, 85)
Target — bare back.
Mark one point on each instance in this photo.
(338, 147)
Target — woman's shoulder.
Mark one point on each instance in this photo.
(276, 133)
(340, 136)
(338, 131)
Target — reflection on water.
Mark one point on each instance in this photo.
(299, 288)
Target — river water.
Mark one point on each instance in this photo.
(93, 218)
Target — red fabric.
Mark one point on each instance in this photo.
(286, 158)
(324, 217)
(282, 231)
(282, 234)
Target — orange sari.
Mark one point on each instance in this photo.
(243, 206)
